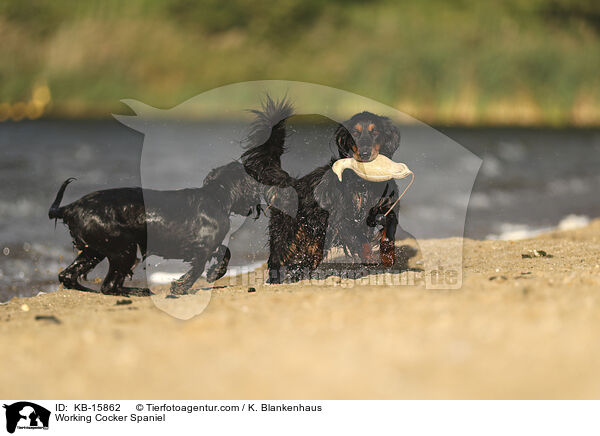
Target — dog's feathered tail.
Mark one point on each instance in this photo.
(266, 143)
(56, 211)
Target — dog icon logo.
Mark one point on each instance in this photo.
(26, 415)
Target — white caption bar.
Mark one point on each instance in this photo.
(263, 418)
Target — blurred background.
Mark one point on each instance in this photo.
(516, 82)
(461, 62)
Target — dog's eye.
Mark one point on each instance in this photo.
(355, 133)
(374, 132)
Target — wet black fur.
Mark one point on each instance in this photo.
(351, 208)
(187, 224)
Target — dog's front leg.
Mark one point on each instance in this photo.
(221, 258)
(382, 215)
(186, 281)
(387, 247)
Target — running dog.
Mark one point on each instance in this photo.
(187, 224)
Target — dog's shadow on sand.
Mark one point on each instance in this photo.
(347, 270)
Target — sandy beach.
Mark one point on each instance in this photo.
(518, 328)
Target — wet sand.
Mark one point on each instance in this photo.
(518, 328)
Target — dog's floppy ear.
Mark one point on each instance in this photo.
(344, 141)
(391, 137)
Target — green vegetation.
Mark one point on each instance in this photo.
(450, 62)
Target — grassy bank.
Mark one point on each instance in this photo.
(467, 62)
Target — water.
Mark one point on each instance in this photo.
(530, 180)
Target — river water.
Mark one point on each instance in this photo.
(530, 180)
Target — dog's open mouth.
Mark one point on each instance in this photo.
(379, 169)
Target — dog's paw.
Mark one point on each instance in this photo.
(178, 288)
(215, 272)
(140, 292)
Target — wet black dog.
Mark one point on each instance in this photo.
(351, 209)
(187, 224)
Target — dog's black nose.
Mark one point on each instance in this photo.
(365, 155)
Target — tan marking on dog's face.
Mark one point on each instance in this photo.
(358, 127)
(371, 127)
(375, 151)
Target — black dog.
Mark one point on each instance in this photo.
(351, 208)
(187, 224)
